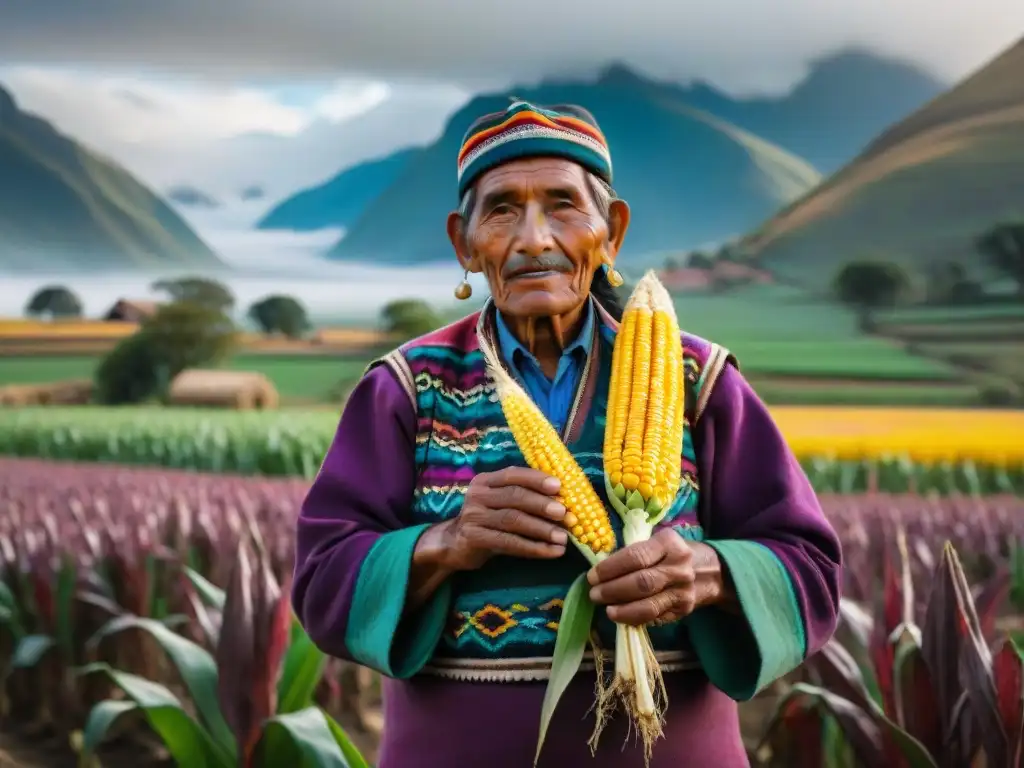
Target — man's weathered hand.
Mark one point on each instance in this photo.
(657, 581)
(510, 512)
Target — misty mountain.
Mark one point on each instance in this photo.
(340, 201)
(696, 165)
(191, 197)
(920, 193)
(63, 207)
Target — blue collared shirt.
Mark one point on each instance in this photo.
(553, 396)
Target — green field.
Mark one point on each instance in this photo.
(297, 377)
(794, 349)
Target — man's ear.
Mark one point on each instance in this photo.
(457, 234)
(618, 223)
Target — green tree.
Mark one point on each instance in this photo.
(698, 260)
(197, 290)
(949, 283)
(54, 301)
(1003, 247)
(280, 314)
(869, 284)
(180, 335)
(409, 318)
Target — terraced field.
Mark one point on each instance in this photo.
(985, 343)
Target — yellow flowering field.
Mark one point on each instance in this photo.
(925, 435)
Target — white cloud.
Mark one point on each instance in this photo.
(222, 137)
(738, 44)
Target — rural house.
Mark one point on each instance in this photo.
(131, 311)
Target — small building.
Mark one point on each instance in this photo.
(131, 311)
(240, 390)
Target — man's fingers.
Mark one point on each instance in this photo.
(635, 557)
(633, 586)
(531, 479)
(525, 500)
(514, 545)
(515, 521)
(647, 610)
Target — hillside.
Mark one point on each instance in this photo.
(62, 207)
(696, 165)
(921, 192)
(339, 201)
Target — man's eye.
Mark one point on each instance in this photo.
(502, 209)
(563, 204)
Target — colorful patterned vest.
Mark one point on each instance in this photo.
(504, 616)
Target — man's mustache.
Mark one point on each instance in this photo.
(551, 260)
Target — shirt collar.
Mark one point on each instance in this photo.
(513, 349)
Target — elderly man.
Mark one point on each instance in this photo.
(428, 551)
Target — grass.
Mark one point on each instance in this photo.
(776, 330)
(305, 378)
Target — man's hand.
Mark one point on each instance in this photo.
(657, 581)
(510, 512)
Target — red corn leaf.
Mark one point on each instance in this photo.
(940, 646)
(917, 710)
(796, 735)
(989, 600)
(1008, 673)
(836, 670)
(958, 659)
(234, 656)
(802, 704)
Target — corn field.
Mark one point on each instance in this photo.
(82, 545)
(842, 450)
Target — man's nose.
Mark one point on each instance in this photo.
(534, 236)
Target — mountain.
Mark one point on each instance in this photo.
(191, 197)
(62, 207)
(339, 201)
(696, 165)
(921, 192)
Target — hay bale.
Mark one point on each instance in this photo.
(73, 392)
(240, 390)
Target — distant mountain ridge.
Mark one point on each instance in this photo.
(920, 193)
(340, 201)
(696, 164)
(63, 207)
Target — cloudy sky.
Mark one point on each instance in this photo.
(222, 93)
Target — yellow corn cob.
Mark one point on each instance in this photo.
(586, 518)
(644, 430)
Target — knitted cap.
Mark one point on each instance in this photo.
(525, 130)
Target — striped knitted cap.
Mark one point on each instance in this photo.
(526, 130)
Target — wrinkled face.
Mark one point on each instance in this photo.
(536, 234)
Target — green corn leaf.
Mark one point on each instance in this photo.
(10, 616)
(309, 735)
(195, 665)
(67, 581)
(301, 671)
(348, 749)
(30, 650)
(188, 743)
(211, 594)
(570, 644)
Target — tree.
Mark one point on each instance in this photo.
(280, 314)
(197, 290)
(55, 301)
(698, 260)
(1003, 246)
(867, 285)
(180, 335)
(409, 318)
(948, 283)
